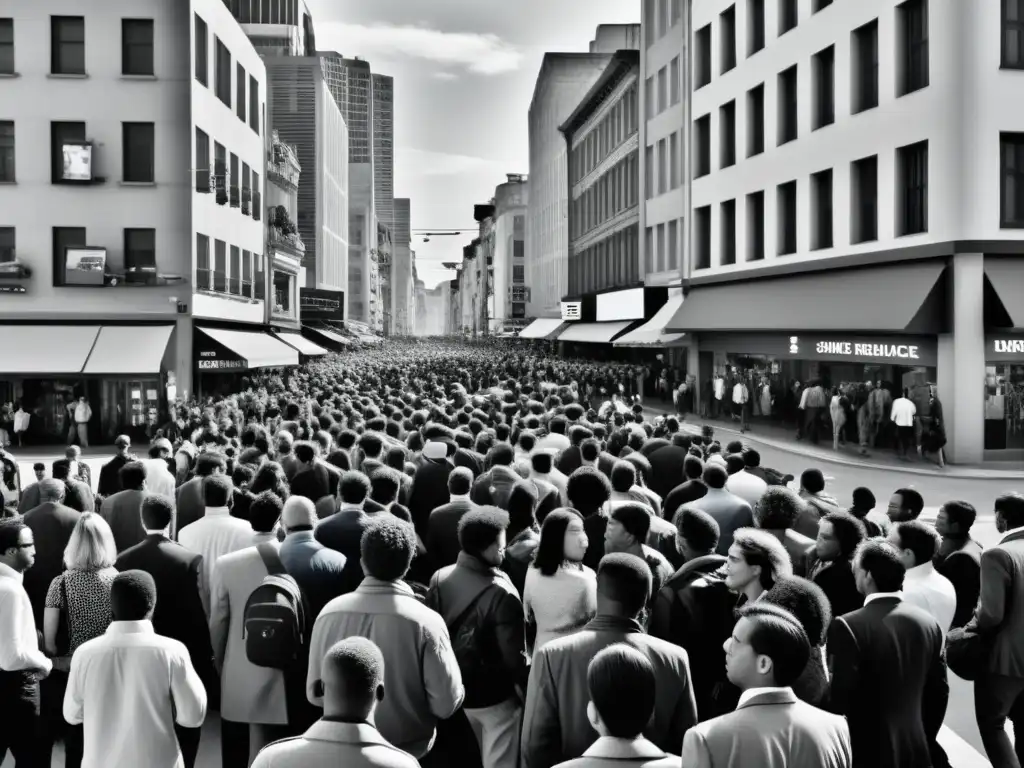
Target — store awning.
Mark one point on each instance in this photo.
(898, 298)
(652, 333)
(45, 349)
(129, 350)
(297, 342)
(259, 350)
(542, 328)
(1007, 278)
(331, 336)
(595, 333)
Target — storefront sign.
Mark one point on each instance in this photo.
(848, 348)
(909, 351)
(1004, 348)
(212, 360)
(572, 310)
(321, 304)
(621, 305)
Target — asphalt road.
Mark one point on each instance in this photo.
(960, 734)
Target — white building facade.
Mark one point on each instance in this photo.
(857, 205)
(510, 292)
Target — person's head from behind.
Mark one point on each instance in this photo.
(52, 490)
(588, 490)
(627, 528)
(305, 453)
(806, 601)
(122, 444)
(621, 684)
(217, 491)
(210, 464)
(768, 648)
(385, 483)
(590, 449)
(157, 512)
(562, 539)
(387, 549)
(352, 677)
(697, 533)
(460, 482)
(623, 476)
(905, 504)
(734, 463)
(955, 519)
(17, 544)
(839, 535)
(755, 556)
(353, 488)
(482, 534)
(298, 515)
(265, 510)
(1009, 510)
(623, 585)
(812, 481)
(878, 567)
(714, 476)
(132, 596)
(522, 507)
(778, 509)
(91, 546)
(751, 458)
(863, 501)
(693, 468)
(133, 476)
(916, 541)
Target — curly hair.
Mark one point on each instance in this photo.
(387, 548)
(763, 549)
(778, 509)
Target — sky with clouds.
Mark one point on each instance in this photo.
(464, 74)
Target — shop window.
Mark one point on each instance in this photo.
(755, 121)
(787, 218)
(821, 191)
(138, 145)
(6, 46)
(788, 12)
(203, 272)
(787, 118)
(137, 47)
(1004, 407)
(702, 237)
(864, 224)
(139, 255)
(222, 72)
(912, 23)
(755, 26)
(825, 87)
(702, 57)
(727, 134)
(727, 38)
(220, 266)
(728, 232)
(1011, 194)
(755, 226)
(912, 169)
(240, 99)
(64, 238)
(67, 45)
(865, 67)
(282, 293)
(202, 51)
(1012, 38)
(61, 134)
(702, 166)
(7, 150)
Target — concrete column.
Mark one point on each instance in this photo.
(961, 368)
(693, 368)
(183, 357)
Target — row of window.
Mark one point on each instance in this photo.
(67, 46)
(663, 89)
(911, 210)
(661, 16)
(139, 251)
(611, 263)
(222, 76)
(663, 166)
(661, 247)
(616, 191)
(614, 128)
(232, 270)
(232, 182)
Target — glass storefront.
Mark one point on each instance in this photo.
(1004, 406)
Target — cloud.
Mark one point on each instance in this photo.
(422, 162)
(482, 54)
(446, 76)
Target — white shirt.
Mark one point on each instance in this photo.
(719, 388)
(880, 595)
(739, 393)
(19, 644)
(129, 686)
(750, 693)
(903, 412)
(929, 590)
(215, 534)
(748, 487)
(159, 479)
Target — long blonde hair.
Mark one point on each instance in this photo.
(91, 546)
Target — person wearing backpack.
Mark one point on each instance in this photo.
(254, 702)
(484, 616)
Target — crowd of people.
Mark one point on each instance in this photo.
(446, 554)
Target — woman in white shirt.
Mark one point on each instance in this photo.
(560, 593)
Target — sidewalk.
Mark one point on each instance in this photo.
(783, 439)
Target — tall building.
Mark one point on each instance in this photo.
(384, 148)
(132, 261)
(854, 223)
(563, 80)
(401, 270)
(278, 28)
(285, 247)
(305, 114)
(509, 268)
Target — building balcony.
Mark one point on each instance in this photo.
(283, 176)
(290, 243)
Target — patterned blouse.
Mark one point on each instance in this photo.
(89, 595)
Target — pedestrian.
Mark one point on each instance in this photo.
(904, 416)
(959, 556)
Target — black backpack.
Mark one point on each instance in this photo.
(274, 619)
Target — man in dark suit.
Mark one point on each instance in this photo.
(52, 523)
(831, 568)
(189, 502)
(887, 668)
(999, 690)
(77, 494)
(556, 726)
(122, 511)
(179, 610)
(110, 481)
(959, 557)
(312, 480)
(318, 570)
(691, 489)
(343, 531)
(667, 465)
(777, 511)
(730, 511)
(571, 458)
(443, 525)
(429, 484)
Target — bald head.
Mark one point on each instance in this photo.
(299, 514)
(51, 490)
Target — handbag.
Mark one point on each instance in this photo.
(968, 652)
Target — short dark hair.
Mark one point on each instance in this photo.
(243, 473)
(882, 560)
(522, 506)
(625, 579)
(132, 596)
(216, 490)
(921, 539)
(913, 502)
(385, 483)
(622, 686)
(10, 532)
(806, 601)
(778, 509)
(1011, 507)
(623, 476)
(734, 446)
(590, 449)
(207, 463)
(635, 518)
(354, 487)
(132, 475)
(500, 455)
(304, 452)
(39, 467)
(961, 514)
(370, 444)
(264, 511)
(812, 480)
(460, 481)
(157, 512)
(714, 476)
(864, 499)
(359, 666)
(550, 552)
(387, 548)
(527, 440)
(777, 634)
(849, 530)
(587, 489)
(734, 463)
(693, 467)
(479, 528)
(542, 462)
(751, 457)
(698, 528)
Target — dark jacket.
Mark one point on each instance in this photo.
(495, 485)
(189, 504)
(343, 532)
(429, 491)
(837, 582)
(962, 567)
(318, 570)
(30, 498)
(78, 495)
(519, 555)
(887, 675)
(693, 610)
(110, 480)
(683, 494)
(501, 639)
(123, 513)
(595, 526)
(1000, 611)
(667, 470)
(442, 540)
(51, 526)
(179, 610)
(289, 464)
(313, 483)
(241, 501)
(570, 460)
